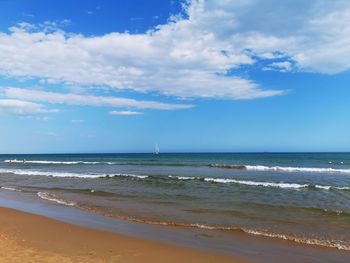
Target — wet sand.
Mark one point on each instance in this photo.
(26, 237)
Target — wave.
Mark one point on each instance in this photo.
(8, 188)
(264, 184)
(282, 185)
(254, 183)
(56, 162)
(44, 173)
(222, 166)
(183, 177)
(119, 163)
(68, 175)
(53, 198)
(280, 168)
(251, 183)
(338, 244)
(278, 185)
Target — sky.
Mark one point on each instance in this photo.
(191, 76)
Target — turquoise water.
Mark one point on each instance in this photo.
(302, 197)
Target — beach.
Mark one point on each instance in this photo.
(25, 237)
(175, 131)
(257, 207)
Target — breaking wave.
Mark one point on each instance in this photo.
(8, 188)
(53, 198)
(278, 185)
(283, 185)
(54, 162)
(65, 174)
(338, 244)
(280, 168)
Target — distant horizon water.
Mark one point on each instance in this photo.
(175, 152)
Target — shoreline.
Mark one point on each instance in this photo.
(235, 245)
(24, 235)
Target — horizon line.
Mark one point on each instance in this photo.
(180, 152)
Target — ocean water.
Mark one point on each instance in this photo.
(301, 197)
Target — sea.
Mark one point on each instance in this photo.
(299, 197)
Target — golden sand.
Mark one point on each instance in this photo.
(26, 237)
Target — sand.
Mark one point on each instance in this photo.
(26, 237)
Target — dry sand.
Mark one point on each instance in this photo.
(26, 237)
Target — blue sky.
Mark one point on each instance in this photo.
(120, 76)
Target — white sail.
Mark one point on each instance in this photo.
(156, 149)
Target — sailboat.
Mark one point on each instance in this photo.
(156, 149)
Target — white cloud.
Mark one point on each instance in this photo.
(191, 54)
(125, 113)
(315, 34)
(20, 107)
(177, 59)
(86, 100)
(284, 66)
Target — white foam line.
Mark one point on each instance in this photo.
(131, 175)
(253, 183)
(53, 174)
(270, 184)
(53, 198)
(325, 243)
(183, 177)
(338, 244)
(296, 169)
(61, 174)
(55, 162)
(213, 180)
(10, 189)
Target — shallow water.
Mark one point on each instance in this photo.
(300, 197)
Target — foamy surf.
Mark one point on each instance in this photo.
(54, 162)
(53, 198)
(277, 185)
(253, 183)
(68, 175)
(282, 185)
(183, 177)
(8, 188)
(338, 244)
(280, 168)
(45, 173)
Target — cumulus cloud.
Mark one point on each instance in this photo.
(20, 107)
(313, 34)
(284, 66)
(125, 113)
(192, 55)
(179, 59)
(86, 100)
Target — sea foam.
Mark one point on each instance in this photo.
(67, 174)
(8, 188)
(283, 185)
(55, 162)
(273, 184)
(281, 168)
(53, 198)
